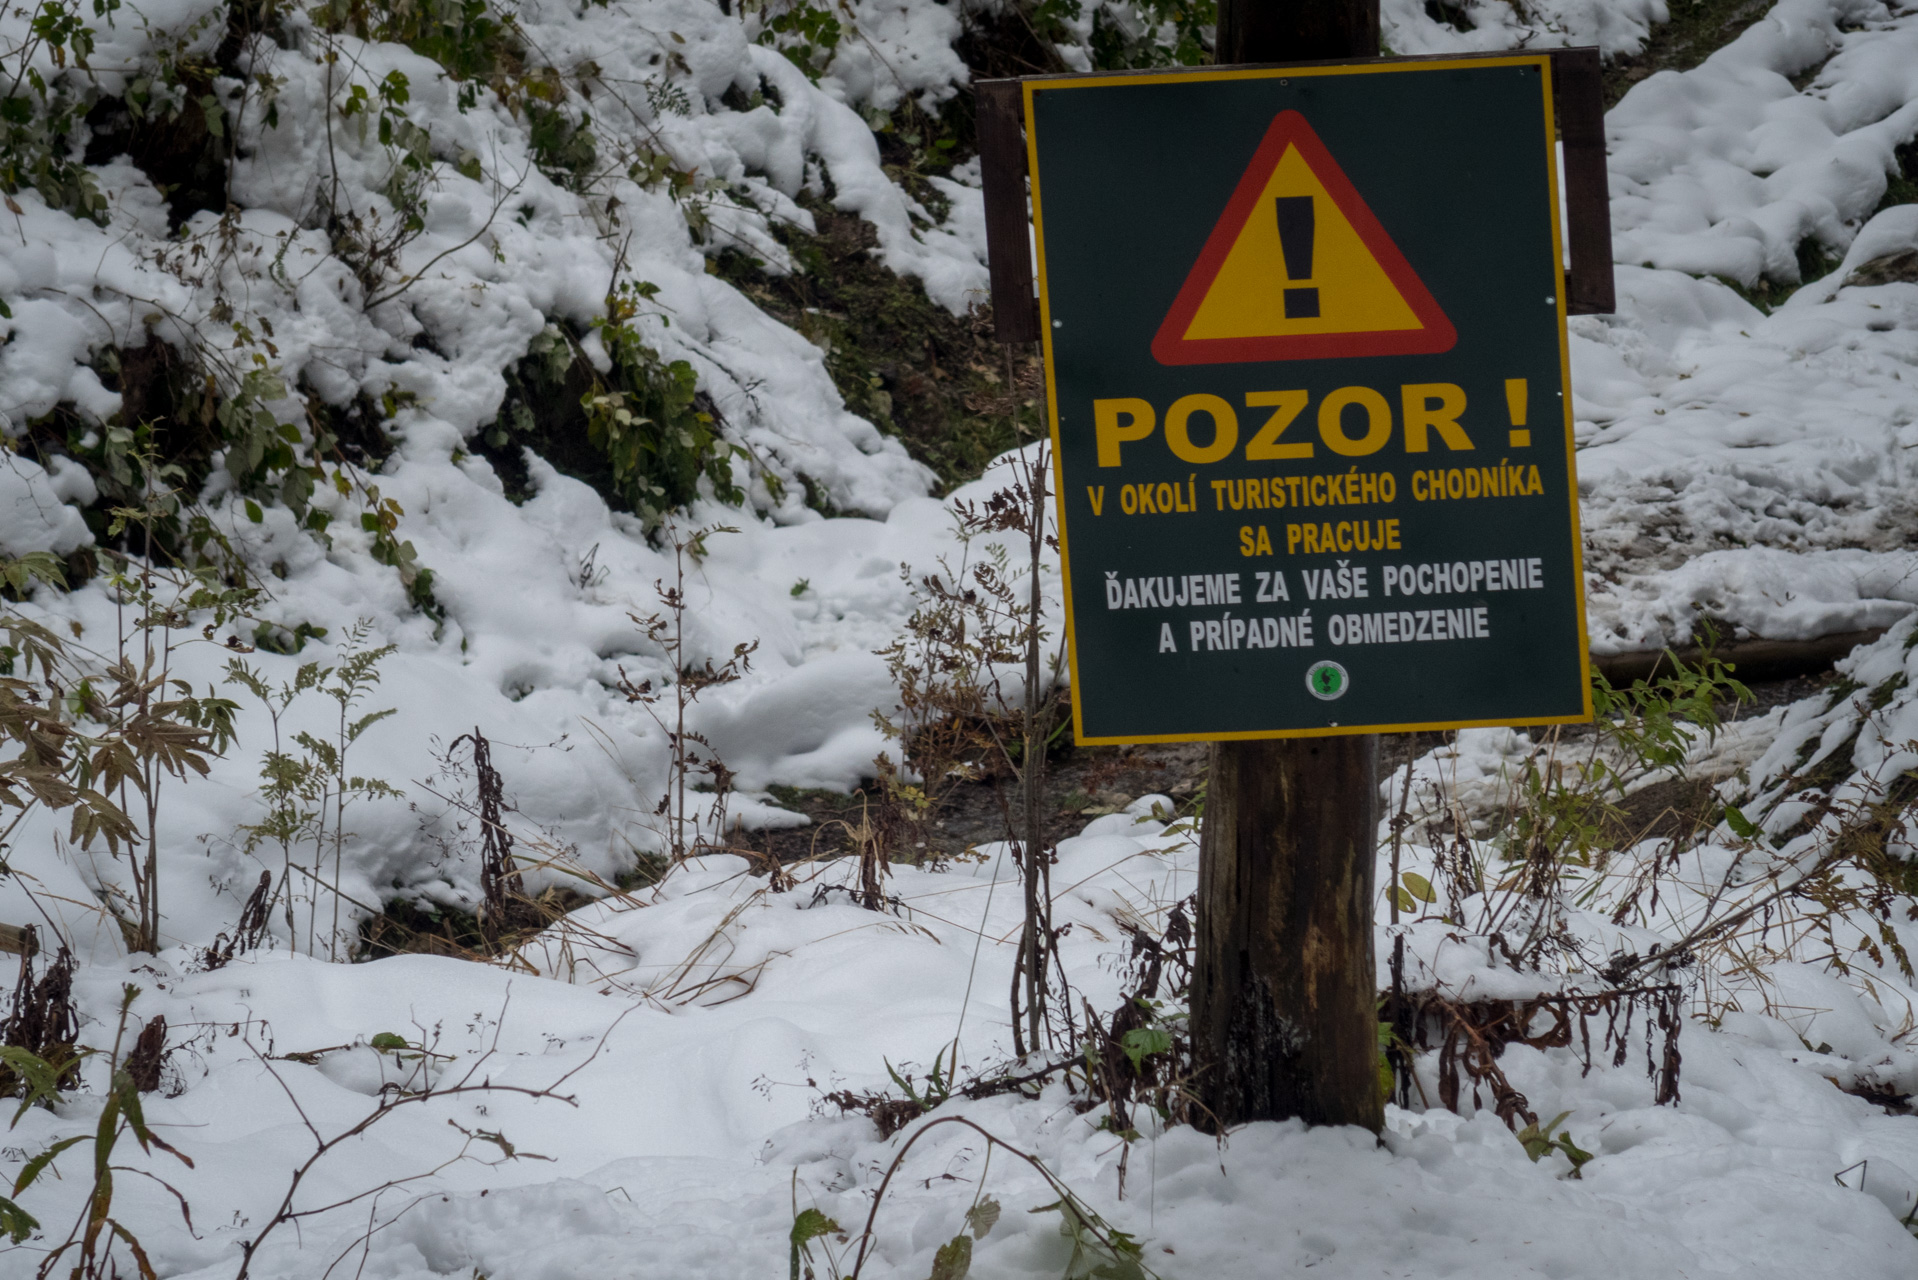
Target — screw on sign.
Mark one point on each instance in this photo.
(1313, 442)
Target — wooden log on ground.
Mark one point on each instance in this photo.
(1755, 659)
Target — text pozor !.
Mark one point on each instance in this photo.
(1425, 410)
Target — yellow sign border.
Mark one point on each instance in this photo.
(1381, 66)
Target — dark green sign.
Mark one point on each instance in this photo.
(1310, 398)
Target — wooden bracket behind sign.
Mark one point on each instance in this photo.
(1000, 122)
(1578, 104)
(1578, 101)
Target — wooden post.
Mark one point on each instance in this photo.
(1000, 117)
(1296, 30)
(1284, 994)
(1578, 102)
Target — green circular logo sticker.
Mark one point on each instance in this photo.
(1327, 680)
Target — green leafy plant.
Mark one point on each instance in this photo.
(644, 417)
(1153, 33)
(639, 432)
(1555, 833)
(1100, 1251)
(1564, 805)
(1141, 1043)
(264, 455)
(347, 684)
(409, 146)
(41, 116)
(381, 519)
(474, 42)
(938, 1085)
(305, 783)
(808, 1226)
(807, 34)
(953, 1259)
(1412, 889)
(289, 783)
(563, 143)
(1395, 1052)
(1657, 721)
(97, 735)
(1539, 1141)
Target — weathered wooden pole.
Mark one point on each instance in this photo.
(1284, 998)
(1296, 30)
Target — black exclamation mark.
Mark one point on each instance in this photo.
(1295, 242)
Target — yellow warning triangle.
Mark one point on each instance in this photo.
(1299, 268)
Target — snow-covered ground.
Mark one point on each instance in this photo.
(694, 1035)
(1738, 466)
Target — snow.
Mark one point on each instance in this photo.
(694, 1123)
(1738, 466)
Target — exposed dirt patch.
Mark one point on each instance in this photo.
(1083, 782)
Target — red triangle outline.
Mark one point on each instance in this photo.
(1289, 128)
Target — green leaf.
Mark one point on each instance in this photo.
(1141, 1043)
(387, 1042)
(364, 723)
(36, 1166)
(15, 1221)
(42, 1077)
(1742, 827)
(954, 1259)
(809, 1225)
(253, 511)
(982, 1217)
(1577, 1155)
(1403, 899)
(1539, 1142)
(1420, 887)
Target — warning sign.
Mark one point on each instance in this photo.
(1309, 394)
(1298, 268)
